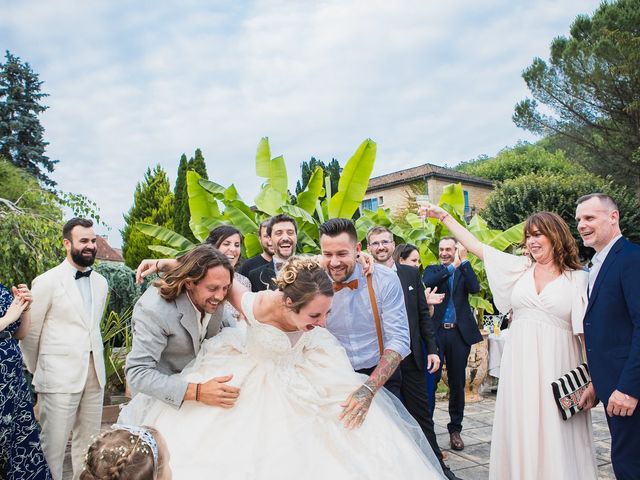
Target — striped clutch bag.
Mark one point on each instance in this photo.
(568, 389)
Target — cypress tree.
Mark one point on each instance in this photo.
(153, 202)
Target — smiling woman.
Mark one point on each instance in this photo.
(543, 344)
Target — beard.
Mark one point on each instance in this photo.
(83, 260)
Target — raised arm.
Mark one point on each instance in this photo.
(464, 236)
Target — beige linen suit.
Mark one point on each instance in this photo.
(63, 350)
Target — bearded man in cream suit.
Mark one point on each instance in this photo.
(63, 348)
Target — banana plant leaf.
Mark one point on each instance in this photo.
(353, 181)
(298, 213)
(477, 302)
(166, 251)
(203, 206)
(165, 235)
(453, 196)
(239, 218)
(308, 199)
(252, 245)
(511, 236)
(213, 188)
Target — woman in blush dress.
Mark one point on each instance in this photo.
(547, 290)
(294, 379)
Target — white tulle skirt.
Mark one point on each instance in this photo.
(285, 423)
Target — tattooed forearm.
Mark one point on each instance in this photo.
(386, 366)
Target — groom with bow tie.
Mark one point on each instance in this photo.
(63, 348)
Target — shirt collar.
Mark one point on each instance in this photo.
(199, 315)
(71, 269)
(602, 254)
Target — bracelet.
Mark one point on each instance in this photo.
(369, 388)
(443, 216)
(157, 266)
(197, 392)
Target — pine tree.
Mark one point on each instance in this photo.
(153, 202)
(21, 134)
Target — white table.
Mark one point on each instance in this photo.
(496, 347)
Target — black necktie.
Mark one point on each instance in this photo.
(80, 274)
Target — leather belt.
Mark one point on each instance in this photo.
(4, 335)
(449, 326)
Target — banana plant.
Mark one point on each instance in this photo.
(212, 204)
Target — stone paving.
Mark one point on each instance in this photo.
(472, 463)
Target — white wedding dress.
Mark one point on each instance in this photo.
(285, 423)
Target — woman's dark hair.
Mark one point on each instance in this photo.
(221, 233)
(403, 251)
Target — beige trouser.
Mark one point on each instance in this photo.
(78, 414)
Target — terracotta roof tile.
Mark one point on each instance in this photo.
(106, 252)
(426, 170)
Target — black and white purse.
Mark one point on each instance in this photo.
(568, 390)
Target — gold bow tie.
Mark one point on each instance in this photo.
(353, 285)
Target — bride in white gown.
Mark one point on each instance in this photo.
(294, 380)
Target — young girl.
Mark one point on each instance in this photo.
(127, 453)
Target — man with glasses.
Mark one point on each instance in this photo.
(413, 385)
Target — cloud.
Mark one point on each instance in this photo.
(140, 83)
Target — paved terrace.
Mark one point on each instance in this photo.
(473, 462)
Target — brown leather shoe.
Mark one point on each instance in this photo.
(456, 441)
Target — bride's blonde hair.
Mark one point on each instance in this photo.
(301, 279)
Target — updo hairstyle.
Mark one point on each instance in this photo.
(301, 279)
(119, 454)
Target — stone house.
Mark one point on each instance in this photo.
(395, 190)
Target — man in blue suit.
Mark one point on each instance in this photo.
(457, 327)
(612, 327)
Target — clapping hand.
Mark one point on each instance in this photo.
(17, 306)
(433, 298)
(366, 261)
(23, 292)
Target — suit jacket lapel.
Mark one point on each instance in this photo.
(602, 273)
(71, 287)
(188, 319)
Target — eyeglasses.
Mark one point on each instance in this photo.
(382, 243)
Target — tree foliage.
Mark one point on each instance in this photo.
(123, 289)
(181, 210)
(591, 84)
(331, 169)
(21, 134)
(182, 213)
(153, 202)
(518, 198)
(30, 227)
(523, 159)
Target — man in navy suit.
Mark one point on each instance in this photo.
(612, 327)
(457, 327)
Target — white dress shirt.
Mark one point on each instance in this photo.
(351, 319)
(597, 261)
(203, 320)
(84, 286)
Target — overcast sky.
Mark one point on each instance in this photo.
(133, 84)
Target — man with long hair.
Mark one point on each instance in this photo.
(170, 322)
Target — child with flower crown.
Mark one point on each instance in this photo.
(127, 453)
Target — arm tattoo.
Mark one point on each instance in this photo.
(386, 366)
